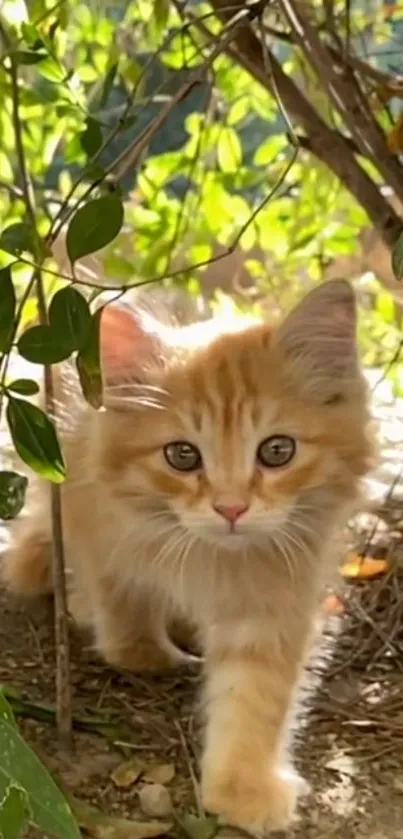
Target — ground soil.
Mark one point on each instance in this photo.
(349, 744)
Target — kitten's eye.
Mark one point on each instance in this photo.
(276, 451)
(183, 456)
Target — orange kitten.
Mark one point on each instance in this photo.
(211, 488)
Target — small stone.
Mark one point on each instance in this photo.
(155, 800)
(398, 784)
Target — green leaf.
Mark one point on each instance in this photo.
(238, 111)
(27, 57)
(51, 70)
(89, 364)
(20, 768)
(161, 12)
(35, 440)
(397, 258)
(17, 238)
(31, 34)
(12, 494)
(229, 150)
(26, 387)
(269, 150)
(385, 305)
(7, 309)
(41, 345)
(199, 827)
(94, 226)
(91, 138)
(5, 709)
(13, 812)
(70, 318)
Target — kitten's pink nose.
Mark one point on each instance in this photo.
(231, 512)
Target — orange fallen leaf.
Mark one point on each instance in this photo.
(359, 567)
(333, 605)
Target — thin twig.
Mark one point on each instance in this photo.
(192, 774)
(62, 639)
(63, 683)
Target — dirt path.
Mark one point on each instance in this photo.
(355, 766)
(350, 746)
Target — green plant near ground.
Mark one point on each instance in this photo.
(27, 792)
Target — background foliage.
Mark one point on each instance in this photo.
(143, 132)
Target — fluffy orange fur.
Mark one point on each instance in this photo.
(148, 543)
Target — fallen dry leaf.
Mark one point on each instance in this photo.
(359, 567)
(343, 764)
(127, 773)
(160, 773)
(100, 826)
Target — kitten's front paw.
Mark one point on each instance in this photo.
(260, 808)
(143, 656)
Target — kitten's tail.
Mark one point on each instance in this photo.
(26, 568)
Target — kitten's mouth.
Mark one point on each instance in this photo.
(233, 530)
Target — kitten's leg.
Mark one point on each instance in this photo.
(26, 568)
(252, 673)
(131, 633)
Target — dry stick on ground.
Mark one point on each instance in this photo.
(327, 144)
(63, 683)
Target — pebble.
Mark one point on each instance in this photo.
(398, 784)
(155, 800)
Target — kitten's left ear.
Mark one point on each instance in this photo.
(129, 344)
(320, 333)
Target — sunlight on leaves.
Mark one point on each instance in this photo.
(35, 439)
(94, 226)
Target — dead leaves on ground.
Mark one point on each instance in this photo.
(131, 771)
(97, 825)
(363, 568)
(355, 568)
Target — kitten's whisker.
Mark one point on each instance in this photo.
(136, 386)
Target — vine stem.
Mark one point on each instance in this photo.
(63, 680)
(64, 711)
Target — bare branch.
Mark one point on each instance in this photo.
(326, 144)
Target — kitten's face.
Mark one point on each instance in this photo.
(239, 440)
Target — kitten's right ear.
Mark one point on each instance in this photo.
(129, 345)
(319, 336)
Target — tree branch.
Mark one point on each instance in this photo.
(347, 97)
(326, 144)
